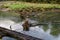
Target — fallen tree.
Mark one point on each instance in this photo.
(17, 35)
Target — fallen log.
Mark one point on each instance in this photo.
(17, 35)
(1, 35)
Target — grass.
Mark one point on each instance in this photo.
(14, 6)
(20, 5)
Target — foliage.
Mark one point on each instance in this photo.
(37, 1)
(20, 5)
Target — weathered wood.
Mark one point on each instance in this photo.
(17, 35)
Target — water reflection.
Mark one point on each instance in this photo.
(8, 38)
(37, 31)
(55, 29)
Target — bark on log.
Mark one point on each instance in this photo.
(17, 35)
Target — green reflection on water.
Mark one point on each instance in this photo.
(45, 27)
(55, 30)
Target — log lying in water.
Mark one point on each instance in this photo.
(1, 34)
(17, 35)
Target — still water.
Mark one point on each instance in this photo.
(45, 32)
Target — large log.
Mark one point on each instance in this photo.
(17, 35)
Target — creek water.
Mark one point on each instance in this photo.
(37, 31)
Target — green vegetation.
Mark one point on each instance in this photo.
(20, 5)
(37, 1)
(35, 5)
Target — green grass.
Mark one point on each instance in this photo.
(20, 5)
(16, 6)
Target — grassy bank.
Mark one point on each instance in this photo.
(20, 5)
(28, 5)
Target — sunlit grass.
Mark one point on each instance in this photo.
(20, 5)
(14, 6)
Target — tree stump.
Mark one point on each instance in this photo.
(26, 26)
